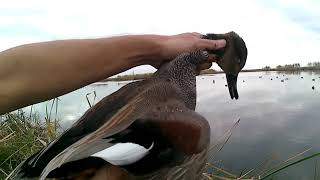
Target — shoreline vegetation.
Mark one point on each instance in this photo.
(315, 66)
(23, 134)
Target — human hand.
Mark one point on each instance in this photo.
(174, 45)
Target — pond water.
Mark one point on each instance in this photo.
(278, 119)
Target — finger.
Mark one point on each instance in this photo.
(212, 44)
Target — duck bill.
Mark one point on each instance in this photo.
(232, 85)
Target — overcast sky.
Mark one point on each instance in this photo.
(275, 31)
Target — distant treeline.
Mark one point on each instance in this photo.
(312, 66)
(294, 67)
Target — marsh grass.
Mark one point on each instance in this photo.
(22, 135)
(264, 170)
(218, 173)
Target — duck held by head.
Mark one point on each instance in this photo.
(232, 58)
(146, 130)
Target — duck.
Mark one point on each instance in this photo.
(233, 58)
(147, 129)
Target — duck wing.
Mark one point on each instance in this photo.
(118, 122)
(177, 142)
(180, 145)
(95, 117)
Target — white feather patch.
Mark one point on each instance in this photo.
(123, 153)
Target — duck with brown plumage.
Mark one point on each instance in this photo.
(146, 130)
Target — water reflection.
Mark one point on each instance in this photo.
(73, 105)
(278, 119)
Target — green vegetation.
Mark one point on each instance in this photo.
(22, 135)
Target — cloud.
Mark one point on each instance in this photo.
(22, 30)
(305, 13)
(274, 32)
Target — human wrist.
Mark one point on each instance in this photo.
(150, 49)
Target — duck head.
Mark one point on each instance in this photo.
(232, 58)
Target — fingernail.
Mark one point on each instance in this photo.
(220, 43)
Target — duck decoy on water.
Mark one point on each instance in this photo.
(233, 58)
(146, 130)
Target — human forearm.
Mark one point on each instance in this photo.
(37, 72)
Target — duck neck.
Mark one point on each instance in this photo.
(183, 74)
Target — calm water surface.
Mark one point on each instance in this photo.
(278, 119)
